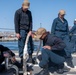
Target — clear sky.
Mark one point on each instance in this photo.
(43, 12)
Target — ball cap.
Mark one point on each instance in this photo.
(74, 19)
(40, 32)
(26, 4)
(62, 12)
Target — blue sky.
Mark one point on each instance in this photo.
(43, 11)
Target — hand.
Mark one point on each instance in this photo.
(13, 59)
(47, 47)
(33, 35)
(30, 33)
(18, 36)
(6, 54)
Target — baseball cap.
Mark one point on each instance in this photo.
(40, 32)
(62, 12)
(26, 4)
(74, 19)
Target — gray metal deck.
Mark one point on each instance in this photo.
(36, 68)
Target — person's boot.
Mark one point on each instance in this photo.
(45, 71)
(60, 68)
(30, 58)
(69, 62)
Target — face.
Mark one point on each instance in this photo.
(61, 16)
(24, 8)
(75, 22)
(43, 36)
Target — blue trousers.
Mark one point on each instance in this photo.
(48, 55)
(21, 43)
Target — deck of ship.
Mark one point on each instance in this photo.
(36, 68)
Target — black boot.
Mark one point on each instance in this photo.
(69, 62)
(30, 58)
(21, 62)
(60, 69)
(45, 71)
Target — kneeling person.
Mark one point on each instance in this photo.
(6, 52)
(52, 51)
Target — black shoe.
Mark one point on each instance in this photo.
(43, 72)
(21, 62)
(29, 60)
(29, 68)
(34, 61)
(70, 63)
(60, 71)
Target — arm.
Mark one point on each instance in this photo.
(16, 21)
(30, 27)
(53, 27)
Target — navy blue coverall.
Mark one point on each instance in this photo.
(56, 55)
(72, 33)
(61, 30)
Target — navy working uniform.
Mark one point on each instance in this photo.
(57, 47)
(23, 24)
(72, 33)
(53, 56)
(60, 28)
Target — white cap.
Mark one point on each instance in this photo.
(74, 19)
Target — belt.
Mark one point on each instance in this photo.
(61, 30)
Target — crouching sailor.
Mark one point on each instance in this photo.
(52, 52)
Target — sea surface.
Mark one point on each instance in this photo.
(13, 45)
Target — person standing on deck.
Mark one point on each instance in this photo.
(60, 28)
(72, 33)
(23, 26)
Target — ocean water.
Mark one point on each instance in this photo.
(13, 45)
